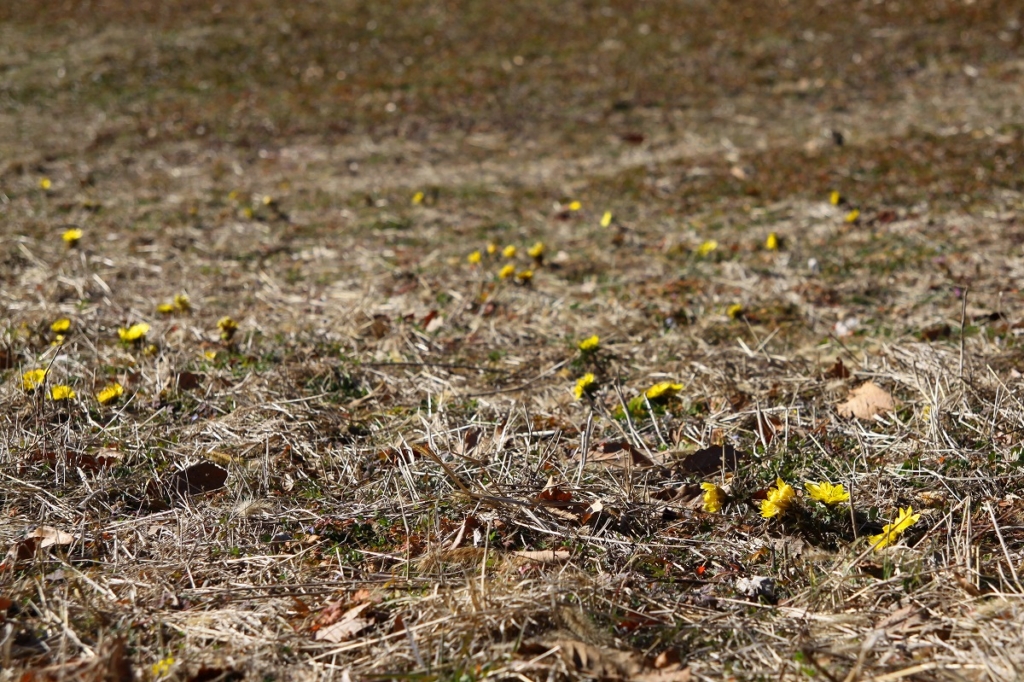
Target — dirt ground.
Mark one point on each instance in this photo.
(364, 435)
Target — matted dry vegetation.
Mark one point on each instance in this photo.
(383, 472)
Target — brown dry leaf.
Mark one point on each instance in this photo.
(544, 556)
(197, 479)
(838, 371)
(347, 626)
(712, 459)
(865, 401)
(553, 492)
(619, 454)
(47, 536)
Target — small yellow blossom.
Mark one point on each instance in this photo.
(61, 392)
(227, 327)
(33, 379)
(60, 326)
(267, 200)
(575, 205)
(417, 198)
(891, 531)
(772, 242)
(536, 251)
(474, 258)
(247, 213)
(45, 183)
(507, 271)
(779, 499)
(162, 667)
(509, 251)
(110, 393)
(165, 308)
(210, 355)
(826, 493)
(150, 350)
(72, 236)
(589, 344)
(852, 216)
(714, 497)
(707, 247)
(735, 311)
(835, 198)
(606, 219)
(136, 332)
(584, 384)
(525, 276)
(492, 249)
(662, 389)
(57, 340)
(182, 302)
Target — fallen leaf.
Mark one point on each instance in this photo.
(205, 674)
(619, 454)
(713, 459)
(553, 492)
(544, 556)
(838, 370)
(48, 536)
(348, 625)
(865, 401)
(188, 381)
(197, 479)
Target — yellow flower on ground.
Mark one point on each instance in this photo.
(33, 379)
(110, 393)
(826, 493)
(714, 497)
(735, 311)
(474, 258)
(72, 236)
(210, 355)
(536, 251)
(707, 247)
(162, 667)
(772, 242)
(575, 206)
(45, 183)
(583, 384)
(852, 216)
(525, 276)
(590, 343)
(133, 333)
(165, 308)
(492, 249)
(417, 198)
(182, 302)
(779, 499)
(835, 198)
(509, 251)
(267, 200)
(62, 325)
(57, 340)
(227, 327)
(507, 271)
(61, 392)
(892, 531)
(606, 219)
(663, 389)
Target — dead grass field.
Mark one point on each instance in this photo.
(383, 473)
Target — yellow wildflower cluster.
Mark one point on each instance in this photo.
(772, 242)
(136, 332)
(659, 392)
(33, 379)
(227, 327)
(713, 498)
(583, 385)
(606, 219)
(892, 531)
(181, 304)
(110, 393)
(706, 248)
(61, 326)
(735, 311)
(590, 344)
(61, 392)
(780, 499)
(827, 493)
(72, 236)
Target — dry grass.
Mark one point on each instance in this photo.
(407, 467)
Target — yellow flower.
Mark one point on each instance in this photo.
(227, 327)
(507, 271)
(606, 219)
(714, 497)
(509, 251)
(417, 198)
(44, 183)
(575, 205)
(162, 667)
(779, 499)
(72, 236)
(536, 251)
(707, 247)
(57, 340)
(62, 325)
(583, 384)
(182, 302)
(33, 379)
(165, 308)
(835, 198)
(133, 333)
(891, 531)
(61, 392)
(663, 389)
(267, 200)
(852, 216)
(772, 242)
(474, 257)
(525, 276)
(492, 249)
(589, 344)
(110, 393)
(826, 493)
(735, 311)
(210, 355)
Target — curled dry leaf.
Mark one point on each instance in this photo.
(619, 454)
(544, 556)
(348, 625)
(712, 459)
(48, 536)
(866, 401)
